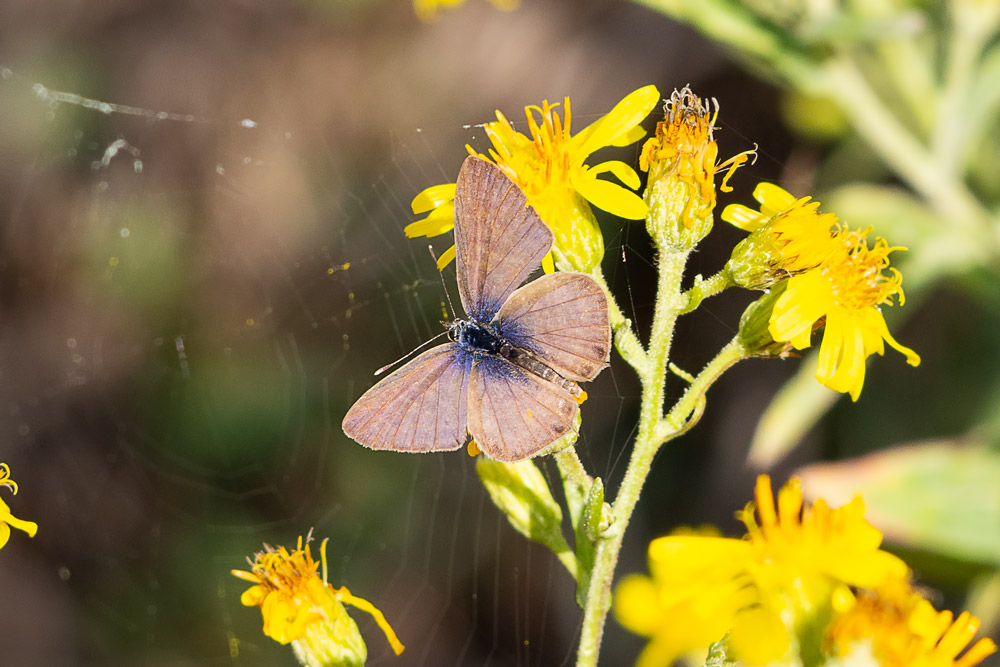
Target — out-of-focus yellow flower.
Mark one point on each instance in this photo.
(300, 607)
(787, 236)
(899, 628)
(845, 291)
(550, 166)
(795, 564)
(427, 10)
(682, 163)
(8, 520)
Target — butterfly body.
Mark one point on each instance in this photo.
(509, 374)
(484, 339)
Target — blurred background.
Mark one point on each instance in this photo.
(202, 263)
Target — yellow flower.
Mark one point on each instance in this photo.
(845, 291)
(8, 520)
(682, 163)
(427, 10)
(795, 564)
(550, 166)
(899, 628)
(300, 607)
(787, 236)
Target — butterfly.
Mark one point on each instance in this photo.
(509, 373)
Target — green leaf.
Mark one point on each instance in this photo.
(935, 496)
(585, 525)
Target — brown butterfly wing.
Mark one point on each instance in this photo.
(563, 319)
(514, 414)
(419, 408)
(499, 238)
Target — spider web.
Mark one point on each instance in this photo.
(197, 287)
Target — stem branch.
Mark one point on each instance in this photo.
(652, 373)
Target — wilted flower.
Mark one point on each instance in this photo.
(682, 163)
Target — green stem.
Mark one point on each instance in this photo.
(735, 25)
(626, 342)
(704, 288)
(669, 303)
(571, 468)
(901, 151)
(686, 411)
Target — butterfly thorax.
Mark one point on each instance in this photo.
(484, 340)
(478, 337)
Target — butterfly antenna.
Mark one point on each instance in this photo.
(410, 353)
(444, 287)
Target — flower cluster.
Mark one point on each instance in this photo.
(300, 607)
(795, 571)
(7, 519)
(549, 164)
(833, 277)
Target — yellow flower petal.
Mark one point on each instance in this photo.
(617, 124)
(743, 217)
(432, 197)
(772, 198)
(612, 198)
(637, 605)
(440, 220)
(446, 258)
(622, 171)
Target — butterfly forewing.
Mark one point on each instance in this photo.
(562, 318)
(419, 408)
(514, 414)
(499, 239)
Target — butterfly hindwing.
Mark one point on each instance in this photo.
(419, 408)
(499, 238)
(562, 318)
(514, 414)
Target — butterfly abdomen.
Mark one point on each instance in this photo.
(483, 339)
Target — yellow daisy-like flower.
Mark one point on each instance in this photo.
(787, 236)
(8, 520)
(682, 161)
(427, 10)
(550, 166)
(794, 564)
(845, 291)
(300, 607)
(899, 628)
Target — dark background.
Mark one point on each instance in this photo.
(180, 341)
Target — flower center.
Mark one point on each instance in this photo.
(856, 277)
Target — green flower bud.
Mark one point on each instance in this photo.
(520, 491)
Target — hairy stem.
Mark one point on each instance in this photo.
(687, 410)
(704, 288)
(652, 373)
